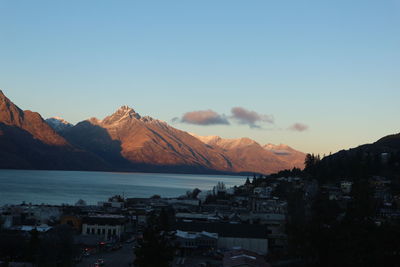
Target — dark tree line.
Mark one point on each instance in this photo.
(324, 232)
(353, 164)
(53, 248)
(157, 246)
(335, 236)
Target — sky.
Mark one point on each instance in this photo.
(319, 75)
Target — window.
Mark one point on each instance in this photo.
(114, 232)
(103, 231)
(92, 231)
(98, 231)
(88, 230)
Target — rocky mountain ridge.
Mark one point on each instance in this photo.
(127, 141)
(28, 142)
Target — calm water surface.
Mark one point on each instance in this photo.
(57, 187)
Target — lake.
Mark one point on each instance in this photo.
(57, 187)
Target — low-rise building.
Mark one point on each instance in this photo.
(247, 236)
(197, 240)
(74, 221)
(243, 258)
(259, 204)
(345, 186)
(105, 225)
(379, 182)
(263, 192)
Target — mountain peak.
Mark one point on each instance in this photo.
(58, 124)
(10, 114)
(2, 96)
(59, 119)
(123, 113)
(126, 108)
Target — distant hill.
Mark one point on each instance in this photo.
(381, 158)
(390, 142)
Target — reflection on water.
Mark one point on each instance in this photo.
(57, 187)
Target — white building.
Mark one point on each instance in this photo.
(105, 225)
(197, 240)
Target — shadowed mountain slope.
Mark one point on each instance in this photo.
(127, 137)
(126, 141)
(28, 142)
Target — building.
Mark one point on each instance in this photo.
(252, 237)
(345, 186)
(259, 204)
(243, 258)
(14, 215)
(197, 240)
(72, 220)
(116, 202)
(197, 217)
(379, 182)
(110, 227)
(263, 192)
(139, 216)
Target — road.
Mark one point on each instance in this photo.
(122, 257)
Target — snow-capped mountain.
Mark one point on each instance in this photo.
(58, 124)
(132, 139)
(247, 153)
(287, 153)
(225, 143)
(127, 141)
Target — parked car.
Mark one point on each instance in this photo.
(99, 262)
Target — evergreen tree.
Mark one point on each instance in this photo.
(33, 246)
(156, 248)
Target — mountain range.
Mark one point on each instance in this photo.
(126, 141)
(28, 142)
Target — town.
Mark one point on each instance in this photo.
(264, 222)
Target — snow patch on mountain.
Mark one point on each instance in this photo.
(214, 140)
(280, 149)
(58, 124)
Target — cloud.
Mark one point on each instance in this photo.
(251, 118)
(299, 127)
(203, 117)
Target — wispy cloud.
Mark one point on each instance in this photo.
(250, 118)
(298, 127)
(203, 117)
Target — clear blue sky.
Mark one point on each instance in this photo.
(331, 65)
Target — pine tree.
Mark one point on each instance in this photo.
(156, 248)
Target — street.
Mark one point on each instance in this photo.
(122, 257)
